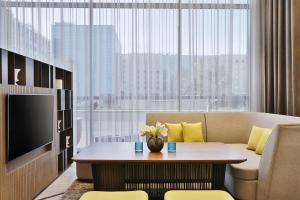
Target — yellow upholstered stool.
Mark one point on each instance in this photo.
(130, 195)
(197, 195)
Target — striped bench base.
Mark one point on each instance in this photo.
(158, 178)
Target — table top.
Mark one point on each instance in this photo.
(206, 153)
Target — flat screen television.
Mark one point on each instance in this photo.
(30, 123)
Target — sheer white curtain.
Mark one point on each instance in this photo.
(131, 57)
(165, 56)
(215, 57)
(135, 65)
(56, 32)
(39, 29)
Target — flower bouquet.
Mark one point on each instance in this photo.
(155, 136)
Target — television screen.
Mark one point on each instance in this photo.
(30, 123)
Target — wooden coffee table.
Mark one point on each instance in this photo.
(196, 166)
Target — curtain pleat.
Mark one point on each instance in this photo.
(280, 64)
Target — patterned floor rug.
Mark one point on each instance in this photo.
(76, 190)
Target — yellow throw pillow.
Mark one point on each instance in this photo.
(263, 140)
(254, 138)
(192, 132)
(174, 132)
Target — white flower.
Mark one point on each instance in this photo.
(145, 130)
(158, 129)
(162, 130)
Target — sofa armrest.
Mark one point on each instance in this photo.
(279, 171)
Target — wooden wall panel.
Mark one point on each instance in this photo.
(27, 176)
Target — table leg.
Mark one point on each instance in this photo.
(218, 177)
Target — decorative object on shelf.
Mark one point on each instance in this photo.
(155, 136)
(59, 125)
(59, 84)
(17, 71)
(68, 141)
(138, 146)
(171, 146)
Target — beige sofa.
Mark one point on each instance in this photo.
(273, 176)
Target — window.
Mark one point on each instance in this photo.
(131, 57)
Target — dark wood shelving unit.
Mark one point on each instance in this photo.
(65, 115)
(16, 61)
(34, 73)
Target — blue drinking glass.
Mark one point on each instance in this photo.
(171, 146)
(138, 146)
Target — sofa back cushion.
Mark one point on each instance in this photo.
(177, 117)
(228, 127)
(235, 127)
(272, 121)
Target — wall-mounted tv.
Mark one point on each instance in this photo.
(30, 123)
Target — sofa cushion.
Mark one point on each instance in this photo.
(192, 132)
(254, 138)
(263, 140)
(174, 132)
(247, 170)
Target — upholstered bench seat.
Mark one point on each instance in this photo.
(197, 195)
(247, 170)
(130, 195)
(241, 179)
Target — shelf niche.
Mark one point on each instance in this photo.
(60, 121)
(65, 159)
(61, 162)
(66, 78)
(43, 74)
(16, 62)
(66, 139)
(60, 100)
(67, 119)
(68, 99)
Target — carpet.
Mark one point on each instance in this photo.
(76, 190)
